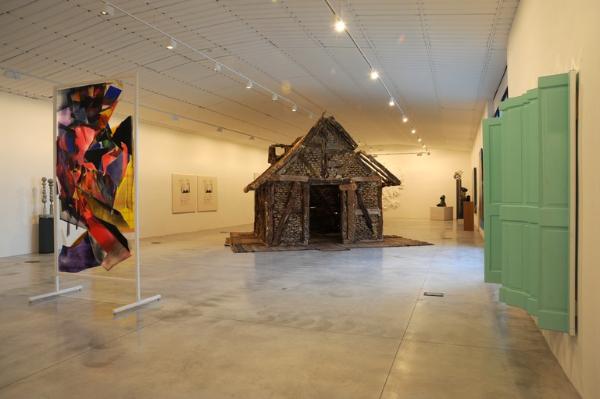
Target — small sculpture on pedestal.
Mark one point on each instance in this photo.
(46, 221)
(51, 195)
(442, 202)
(44, 197)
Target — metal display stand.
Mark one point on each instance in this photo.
(58, 291)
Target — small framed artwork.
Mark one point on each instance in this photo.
(207, 194)
(184, 193)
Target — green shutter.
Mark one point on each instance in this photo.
(527, 178)
(492, 197)
(554, 202)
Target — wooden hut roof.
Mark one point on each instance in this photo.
(328, 124)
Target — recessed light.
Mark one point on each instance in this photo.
(404, 119)
(374, 74)
(340, 25)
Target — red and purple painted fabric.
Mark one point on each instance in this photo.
(94, 167)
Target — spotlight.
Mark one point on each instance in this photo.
(218, 67)
(404, 119)
(294, 108)
(419, 139)
(374, 74)
(108, 11)
(392, 102)
(172, 45)
(249, 84)
(340, 25)
(274, 97)
(413, 131)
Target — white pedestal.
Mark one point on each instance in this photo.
(441, 213)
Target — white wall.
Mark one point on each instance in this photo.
(425, 179)
(26, 156)
(165, 151)
(550, 37)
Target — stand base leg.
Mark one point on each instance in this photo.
(137, 304)
(54, 294)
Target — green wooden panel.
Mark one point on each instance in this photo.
(492, 198)
(553, 304)
(513, 212)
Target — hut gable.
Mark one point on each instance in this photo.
(327, 151)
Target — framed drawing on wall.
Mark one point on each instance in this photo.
(184, 193)
(207, 194)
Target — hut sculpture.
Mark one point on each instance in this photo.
(321, 187)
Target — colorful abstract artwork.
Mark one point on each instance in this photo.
(94, 167)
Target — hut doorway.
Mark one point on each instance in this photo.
(325, 213)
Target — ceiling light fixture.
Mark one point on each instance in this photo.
(374, 74)
(419, 139)
(218, 67)
(404, 119)
(392, 102)
(108, 11)
(12, 74)
(413, 131)
(294, 108)
(274, 97)
(172, 45)
(249, 85)
(340, 25)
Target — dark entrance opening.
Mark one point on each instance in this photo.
(325, 213)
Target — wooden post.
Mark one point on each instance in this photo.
(380, 205)
(344, 216)
(306, 213)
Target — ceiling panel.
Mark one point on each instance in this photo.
(441, 60)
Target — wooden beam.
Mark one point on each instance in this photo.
(370, 211)
(287, 211)
(351, 207)
(308, 165)
(366, 178)
(290, 178)
(363, 208)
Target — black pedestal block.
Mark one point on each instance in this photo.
(46, 235)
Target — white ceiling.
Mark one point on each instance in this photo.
(442, 59)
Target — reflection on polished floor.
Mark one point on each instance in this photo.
(308, 324)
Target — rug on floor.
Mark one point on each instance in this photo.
(247, 242)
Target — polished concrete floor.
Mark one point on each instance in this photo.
(308, 324)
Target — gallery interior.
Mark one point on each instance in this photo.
(390, 199)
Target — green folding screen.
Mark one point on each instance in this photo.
(529, 169)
